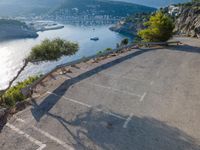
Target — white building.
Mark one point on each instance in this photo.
(173, 10)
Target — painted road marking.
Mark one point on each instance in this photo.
(30, 138)
(127, 120)
(20, 120)
(58, 141)
(89, 106)
(117, 76)
(152, 82)
(68, 147)
(143, 96)
(71, 100)
(115, 90)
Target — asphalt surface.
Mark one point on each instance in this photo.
(145, 99)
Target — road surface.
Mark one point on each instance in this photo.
(145, 99)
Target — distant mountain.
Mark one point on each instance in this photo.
(96, 9)
(27, 7)
(84, 12)
(155, 3)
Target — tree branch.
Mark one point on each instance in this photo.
(14, 78)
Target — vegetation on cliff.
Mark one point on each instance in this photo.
(14, 94)
(48, 50)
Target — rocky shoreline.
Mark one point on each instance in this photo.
(13, 29)
(127, 28)
(131, 25)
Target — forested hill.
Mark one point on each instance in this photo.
(27, 7)
(103, 7)
(41, 7)
(156, 3)
(96, 9)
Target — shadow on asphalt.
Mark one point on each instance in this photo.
(40, 110)
(141, 134)
(185, 48)
(107, 132)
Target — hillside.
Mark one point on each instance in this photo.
(156, 3)
(13, 29)
(132, 24)
(96, 9)
(27, 7)
(188, 22)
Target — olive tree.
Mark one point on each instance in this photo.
(48, 50)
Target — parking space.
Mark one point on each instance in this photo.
(141, 101)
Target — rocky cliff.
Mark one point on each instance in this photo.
(188, 22)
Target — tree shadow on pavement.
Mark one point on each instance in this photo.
(39, 110)
(185, 48)
(97, 130)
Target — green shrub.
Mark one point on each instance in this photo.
(54, 49)
(108, 49)
(159, 28)
(99, 52)
(14, 94)
(124, 42)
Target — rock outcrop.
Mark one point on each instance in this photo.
(188, 22)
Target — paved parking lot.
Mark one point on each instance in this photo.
(145, 100)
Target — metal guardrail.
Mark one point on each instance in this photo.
(32, 86)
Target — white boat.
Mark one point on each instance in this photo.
(94, 39)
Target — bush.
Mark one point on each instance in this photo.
(54, 49)
(14, 94)
(159, 28)
(124, 42)
(108, 49)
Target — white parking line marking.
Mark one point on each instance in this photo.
(68, 147)
(89, 106)
(49, 136)
(40, 144)
(20, 120)
(114, 89)
(116, 76)
(127, 120)
(111, 114)
(158, 73)
(72, 100)
(143, 96)
(152, 82)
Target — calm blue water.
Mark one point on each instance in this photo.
(13, 52)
